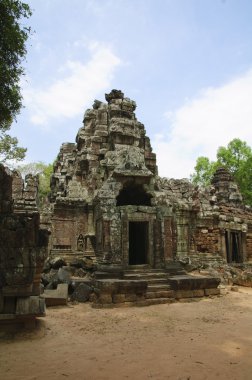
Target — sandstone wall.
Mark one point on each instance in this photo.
(23, 246)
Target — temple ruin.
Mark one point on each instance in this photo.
(110, 206)
(23, 249)
(110, 210)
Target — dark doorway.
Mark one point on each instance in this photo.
(138, 243)
(133, 194)
(233, 246)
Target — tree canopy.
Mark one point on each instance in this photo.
(13, 37)
(237, 158)
(44, 171)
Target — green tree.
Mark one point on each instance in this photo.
(44, 171)
(204, 170)
(234, 156)
(13, 37)
(237, 158)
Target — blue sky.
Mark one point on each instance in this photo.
(186, 63)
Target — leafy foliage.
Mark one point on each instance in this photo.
(204, 170)
(237, 158)
(9, 149)
(13, 37)
(44, 171)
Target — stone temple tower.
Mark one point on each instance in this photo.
(102, 182)
(110, 206)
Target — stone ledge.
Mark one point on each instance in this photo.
(57, 296)
(189, 282)
(212, 292)
(145, 302)
(27, 309)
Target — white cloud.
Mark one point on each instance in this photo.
(202, 124)
(70, 95)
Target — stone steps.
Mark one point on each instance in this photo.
(158, 289)
(99, 275)
(145, 277)
(156, 301)
(160, 294)
(146, 302)
(144, 286)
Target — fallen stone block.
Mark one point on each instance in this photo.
(82, 293)
(57, 296)
(243, 279)
(57, 262)
(64, 276)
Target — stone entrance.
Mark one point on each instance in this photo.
(233, 241)
(138, 243)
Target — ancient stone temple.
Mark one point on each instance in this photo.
(23, 248)
(110, 204)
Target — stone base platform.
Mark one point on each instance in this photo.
(188, 286)
(151, 287)
(21, 312)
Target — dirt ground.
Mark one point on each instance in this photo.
(206, 339)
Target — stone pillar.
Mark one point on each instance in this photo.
(89, 246)
(106, 242)
(158, 244)
(182, 219)
(222, 244)
(243, 246)
(125, 240)
(168, 254)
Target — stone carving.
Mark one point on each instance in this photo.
(80, 243)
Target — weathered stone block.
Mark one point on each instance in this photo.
(117, 298)
(106, 286)
(33, 305)
(130, 297)
(188, 282)
(183, 294)
(212, 292)
(64, 276)
(198, 293)
(105, 298)
(160, 294)
(56, 296)
(82, 293)
(17, 291)
(101, 133)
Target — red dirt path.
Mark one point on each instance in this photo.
(207, 339)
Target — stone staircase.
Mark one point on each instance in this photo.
(141, 285)
(158, 289)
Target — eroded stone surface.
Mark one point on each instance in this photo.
(23, 245)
